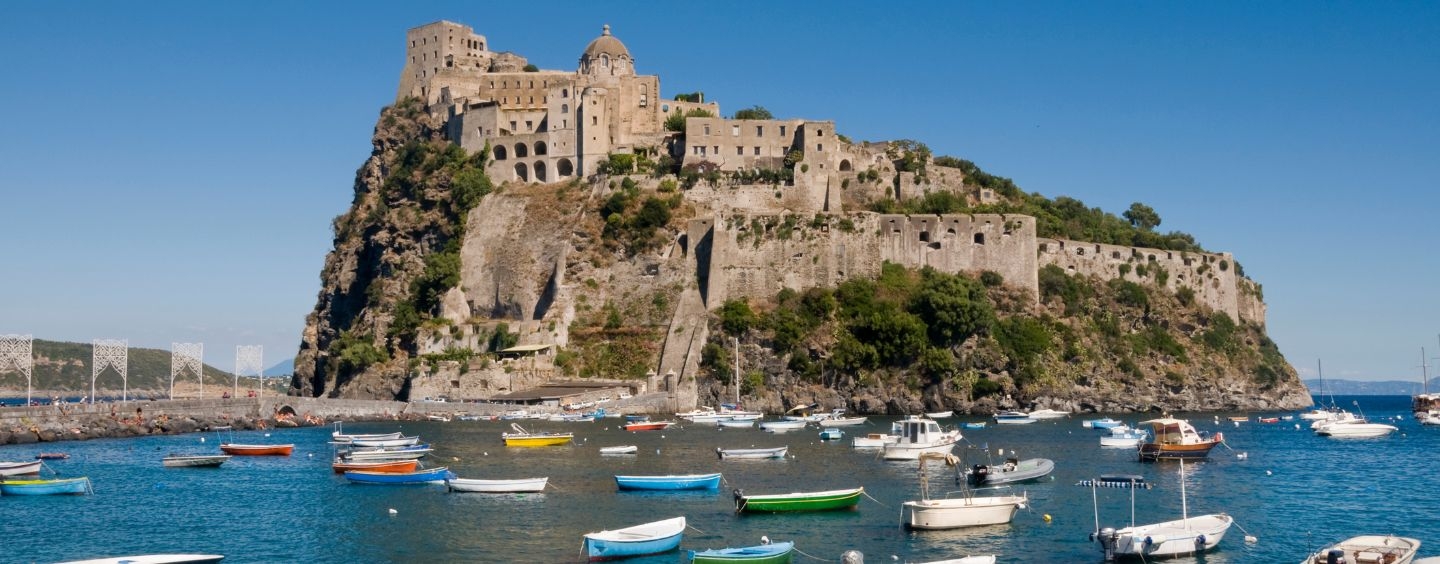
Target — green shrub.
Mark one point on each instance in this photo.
(736, 317)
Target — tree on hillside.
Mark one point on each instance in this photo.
(1142, 216)
(754, 112)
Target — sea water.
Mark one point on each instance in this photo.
(1294, 491)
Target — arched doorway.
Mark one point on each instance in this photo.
(564, 168)
(521, 172)
(521, 151)
(539, 148)
(845, 166)
(540, 171)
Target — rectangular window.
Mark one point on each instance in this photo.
(759, 131)
(512, 126)
(734, 131)
(782, 131)
(529, 125)
(707, 129)
(739, 151)
(757, 151)
(819, 147)
(594, 120)
(717, 150)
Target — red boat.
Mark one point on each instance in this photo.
(257, 450)
(1269, 419)
(389, 466)
(648, 425)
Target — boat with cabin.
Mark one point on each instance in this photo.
(639, 540)
(920, 435)
(1174, 439)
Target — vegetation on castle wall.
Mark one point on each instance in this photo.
(676, 120)
(634, 222)
(754, 112)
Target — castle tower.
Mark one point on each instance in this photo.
(605, 57)
(432, 47)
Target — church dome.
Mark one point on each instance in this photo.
(606, 44)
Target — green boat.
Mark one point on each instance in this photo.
(804, 501)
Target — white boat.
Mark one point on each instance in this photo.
(522, 485)
(1183, 536)
(737, 423)
(1126, 437)
(1338, 416)
(627, 449)
(196, 461)
(940, 414)
(837, 418)
(20, 468)
(704, 415)
(1430, 418)
(878, 440)
(1013, 418)
(1048, 414)
(751, 453)
(1355, 430)
(953, 513)
(401, 453)
(154, 559)
(919, 435)
(339, 435)
(1378, 549)
(1315, 414)
(782, 426)
(392, 442)
(988, 559)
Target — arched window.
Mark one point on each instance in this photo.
(564, 108)
(521, 173)
(564, 92)
(564, 168)
(521, 151)
(499, 152)
(540, 171)
(539, 150)
(604, 60)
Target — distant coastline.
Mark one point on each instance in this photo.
(1367, 388)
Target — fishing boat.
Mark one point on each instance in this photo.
(954, 513)
(1123, 437)
(751, 453)
(194, 461)
(1269, 419)
(395, 442)
(669, 483)
(1240, 419)
(522, 485)
(411, 452)
(1174, 439)
(804, 413)
(783, 426)
(431, 476)
(626, 449)
(920, 435)
(648, 425)
(1013, 418)
(339, 435)
(523, 438)
(51, 456)
(1183, 536)
(20, 468)
(1048, 414)
(939, 414)
(389, 466)
(59, 486)
(257, 450)
(155, 559)
(1378, 549)
(1104, 423)
(800, 501)
(735, 423)
(639, 540)
(831, 434)
(768, 553)
(1012, 471)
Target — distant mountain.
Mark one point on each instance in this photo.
(64, 366)
(1368, 388)
(283, 368)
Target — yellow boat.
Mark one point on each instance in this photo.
(523, 438)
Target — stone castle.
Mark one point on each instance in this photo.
(546, 126)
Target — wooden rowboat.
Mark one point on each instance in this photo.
(257, 450)
(392, 466)
(431, 476)
(68, 486)
(194, 461)
(524, 438)
(669, 483)
(648, 425)
(800, 501)
(773, 553)
(155, 559)
(639, 540)
(20, 468)
(523, 485)
(750, 453)
(626, 449)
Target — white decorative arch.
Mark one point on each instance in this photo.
(17, 351)
(113, 353)
(249, 359)
(187, 355)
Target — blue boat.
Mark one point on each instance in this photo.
(979, 425)
(67, 486)
(831, 434)
(766, 553)
(1106, 423)
(431, 476)
(649, 538)
(671, 483)
(637, 418)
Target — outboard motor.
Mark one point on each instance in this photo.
(1335, 556)
(978, 474)
(739, 498)
(1108, 539)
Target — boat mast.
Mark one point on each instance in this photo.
(1424, 375)
(737, 372)
(1184, 505)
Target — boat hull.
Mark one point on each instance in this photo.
(526, 485)
(905, 451)
(539, 441)
(628, 449)
(775, 553)
(1028, 469)
(669, 483)
(392, 466)
(1371, 548)
(1156, 451)
(960, 512)
(816, 501)
(1172, 538)
(20, 468)
(68, 486)
(431, 476)
(650, 538)
(155, 559)
(1355, 430)
(648, 425)
(257, 450)
(751, 453)
(213, 461)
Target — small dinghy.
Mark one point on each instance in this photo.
(627, 449)
(523, 485)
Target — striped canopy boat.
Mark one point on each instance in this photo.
(66, 486)
(800, 501)
(639, 540)
(774, 553)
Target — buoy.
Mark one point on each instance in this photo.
(267, 434)
(311, 455)
(1242, 456)
(486, 453)
(202, 439)
(1297, 426)
(393, 511)
(454, 459)
(1047, 518)
(1237, 423)
(1250, 539)
(1267, 472)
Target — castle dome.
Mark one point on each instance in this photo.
(606, 55)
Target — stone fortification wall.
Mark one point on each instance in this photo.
(757, 255)
(735, 144)
(1211, 276)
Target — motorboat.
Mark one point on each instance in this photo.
(920, 435)
(953, 513)
(1048, 414)
(1338, 416)
(783, 426)
(1378, 549)
(1355, 430)
(1173, 439)
(1184, 536)
(1013, 470)
(1123, 437)
(831, 434)
(1013, 418)
(837, 418)
(1105, 423)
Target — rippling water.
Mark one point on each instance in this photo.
(1296, 491)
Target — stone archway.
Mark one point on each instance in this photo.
(564, 168)
(285, 410)
(500, 152)
(540, 171)
(522, 173)
(845, 166)
(521, 151)
(539, 148)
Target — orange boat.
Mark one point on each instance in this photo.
(1174, 439)
(648, 425)
(257, 450)
(389, 467)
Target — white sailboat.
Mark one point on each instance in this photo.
(1183, 536)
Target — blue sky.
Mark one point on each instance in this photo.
(168, 170)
